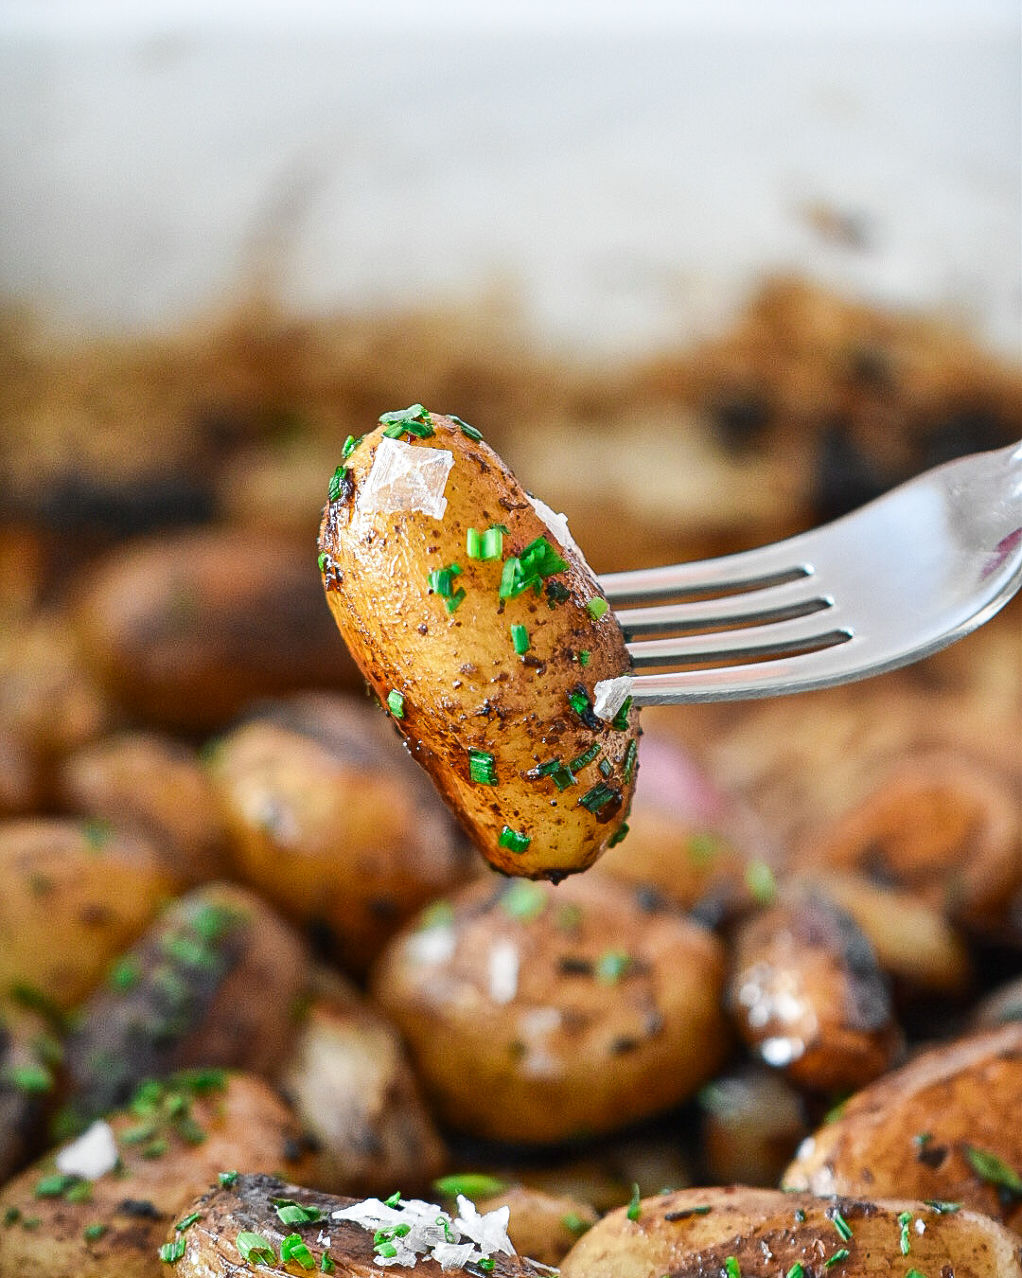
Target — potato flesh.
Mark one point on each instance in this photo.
(464, 687)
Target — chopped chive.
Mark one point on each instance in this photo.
(520, 639)
(634, 1204)
(989, 1167)
(413, 420)
(796, 1271)
(350, 444)
(732, 1268)
(468, 431)
(294, 1247)
(52, 1186)
(481, 767)
(842, 1253)
(473, 543)
(598, 797)
(92, 1233)
(170, 1253)
(322, 560)
(474, 1185)
(524, 900)
(187, 1222)
(255, 1248)
(493, 542)
(32, 1079)
(630, 756)
(514, 840)
(486, 1263)
(759, 879)
(556, 593)
(612, 965)
(841, 1225)
(80, 1192)
(620, 720)
(587, 756)
(455, 601)
(583, 657)
(340, 484)
(560, 775)
(508, 578)
(914, 1273)
(394, 1200)
(537, 561)
(295, 1214)
(596, 607)
(228, 1178)
(326, 1265)
(904, 1220)
(942, 1208)
(396, 703)
(619, 835)
(606, 768)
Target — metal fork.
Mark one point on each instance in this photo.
(882, 587)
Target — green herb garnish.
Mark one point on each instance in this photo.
(350, 444)
(92, 1233)
(619, 835)
(474, 1185)
(620, 721)
(634, 1204)
(904, 1220)
(481, 767)
(561, 776)
(414, 420)
(255, 1248)
(340, 484)
(524, 900)
(32, 1079)
(455, 601)
(612, 965)
(992, 1169)
(228, 1178)
(517, 842)
(170, 1253)
(292, 1213)
(587, 756)
(583, 657)
(188, 1221)
(732, 1268)
(485, 545)
(520, 639)
(294, 1247)
(537, 561)
(596, 607)
(468, 431)
(842, 1253)
(841, 1225)
(598, 797)
(396, 703)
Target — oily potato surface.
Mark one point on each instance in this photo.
(694, 1233)
(944, 1126)
(510, 738)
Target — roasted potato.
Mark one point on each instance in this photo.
(944, 1126)
(73, 893)
(540, 1014)
(216, 981)
(185, 631)
(152, 783)
(175, 1138)
(736, 1230)
(478, 623)
(332, 822)
(350, 1083)
(244, 1222)
(752, 1122)
(808, 997)
(542, 1226)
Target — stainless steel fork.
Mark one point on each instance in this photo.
(890, 583)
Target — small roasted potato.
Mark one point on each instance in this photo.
(702, 849)
(155, 784)
(350, 1083)
(477, 621)
(913, 941)
(216, 981)
(542, 1226)
(73, 894)
(752, 1122)
(231, 1220)
(331, 821)
(1003, 1004)
(944, 1126)
(539, 1014)
(939, 824)
(738, 1230)
(176, 1138)
(808, 997)
(187, 630)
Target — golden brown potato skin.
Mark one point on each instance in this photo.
(537, 1013)
(465, 688)
(245, 1124)
(766, 1232)
(542, 1226)
(248, 1205)
(79, 882)
(910, 1132)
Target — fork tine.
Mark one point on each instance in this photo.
(776, 638)
(806, 671)
(793, 598)
(748, 570)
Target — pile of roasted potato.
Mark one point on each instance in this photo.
(252, 970)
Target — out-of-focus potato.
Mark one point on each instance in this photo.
(945, 1126)
(229, 1220)
(187, 630)
(215, 982)
(331, 821)
(738, 1230)
(49, 704)
(154, 784)
(912, 940)
(1002, 1005)
(752, 1123)
(349, 1082)
(702, 849)
(174, 1139)
(540, 1014)
(940, 825)
(808, 997)
(542, 1226)
(476, 619)
(73, 893)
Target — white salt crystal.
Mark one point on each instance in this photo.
(92, 1155)
(405, 477)
(609, 695)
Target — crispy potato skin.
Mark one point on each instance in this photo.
(245, 1125)
(536, 1013)
(248, 1206)
(763, 1231)
(959, 1095)
(465, 688)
